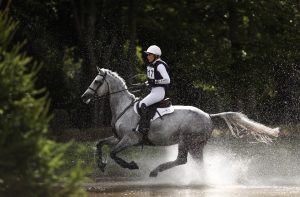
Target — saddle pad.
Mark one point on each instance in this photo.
(161, 111)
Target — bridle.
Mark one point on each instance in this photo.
(100, 83)
(96, 97)
(100, 97)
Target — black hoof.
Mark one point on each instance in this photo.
(153, 174)
(102, 166)
(133, 166)
(281, 134)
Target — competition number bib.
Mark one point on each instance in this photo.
(150, 72)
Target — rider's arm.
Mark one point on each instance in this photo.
(165, 76)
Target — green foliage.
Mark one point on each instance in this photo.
(71, 66)
(203, 87)
(30, 165)
(247, 50)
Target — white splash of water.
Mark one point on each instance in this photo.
(220, 168)
(225, 169)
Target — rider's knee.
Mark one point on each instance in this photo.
(143, 107)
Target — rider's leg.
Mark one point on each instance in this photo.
(144, 123)
(157, 94)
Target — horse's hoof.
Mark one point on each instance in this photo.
(133, 166)
(281, 134)
(153, 174)
(102, 166)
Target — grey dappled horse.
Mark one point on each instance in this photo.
(187, 126)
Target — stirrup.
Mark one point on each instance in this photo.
(136, 129)
(141, 130)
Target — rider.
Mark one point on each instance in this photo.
(158, 80)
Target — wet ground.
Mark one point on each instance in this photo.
(231, 168)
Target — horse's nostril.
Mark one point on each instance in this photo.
(85, 98)
(87, 101)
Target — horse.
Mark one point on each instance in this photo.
(187, 126)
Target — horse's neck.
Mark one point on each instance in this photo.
(120, 100)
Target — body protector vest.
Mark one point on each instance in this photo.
(153, 74)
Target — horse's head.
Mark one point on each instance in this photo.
(98, 87)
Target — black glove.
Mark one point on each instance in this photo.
(151, 82)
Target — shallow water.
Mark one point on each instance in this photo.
(145, 190)
(231, 168)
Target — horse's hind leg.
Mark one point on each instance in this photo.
(196, 151)
(106, 141)
(181, 159)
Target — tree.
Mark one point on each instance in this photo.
(224, 55)
(30, 165)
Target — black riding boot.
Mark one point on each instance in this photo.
(144, 123)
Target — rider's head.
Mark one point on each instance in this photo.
(153, 53)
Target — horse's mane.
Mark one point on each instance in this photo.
(117, 76)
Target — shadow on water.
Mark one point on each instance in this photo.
(231, 168)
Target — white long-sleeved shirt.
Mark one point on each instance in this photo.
(163, 72)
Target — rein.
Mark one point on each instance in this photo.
(105, 95)
(96, 97)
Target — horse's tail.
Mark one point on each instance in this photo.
(240, 125)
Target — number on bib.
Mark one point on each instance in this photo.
(150, 72)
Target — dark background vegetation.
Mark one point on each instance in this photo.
(231, 55)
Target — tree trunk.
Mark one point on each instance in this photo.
(235, 55)
(85, 19)
(132, 35)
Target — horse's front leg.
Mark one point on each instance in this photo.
(125, 142)
(106, 141)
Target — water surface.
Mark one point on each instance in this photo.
(231, 168)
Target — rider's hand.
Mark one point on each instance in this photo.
(151, 81)
(146, 83)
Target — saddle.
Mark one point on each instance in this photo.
(163, 104)
(152, 109)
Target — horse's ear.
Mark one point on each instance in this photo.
(99, 70)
